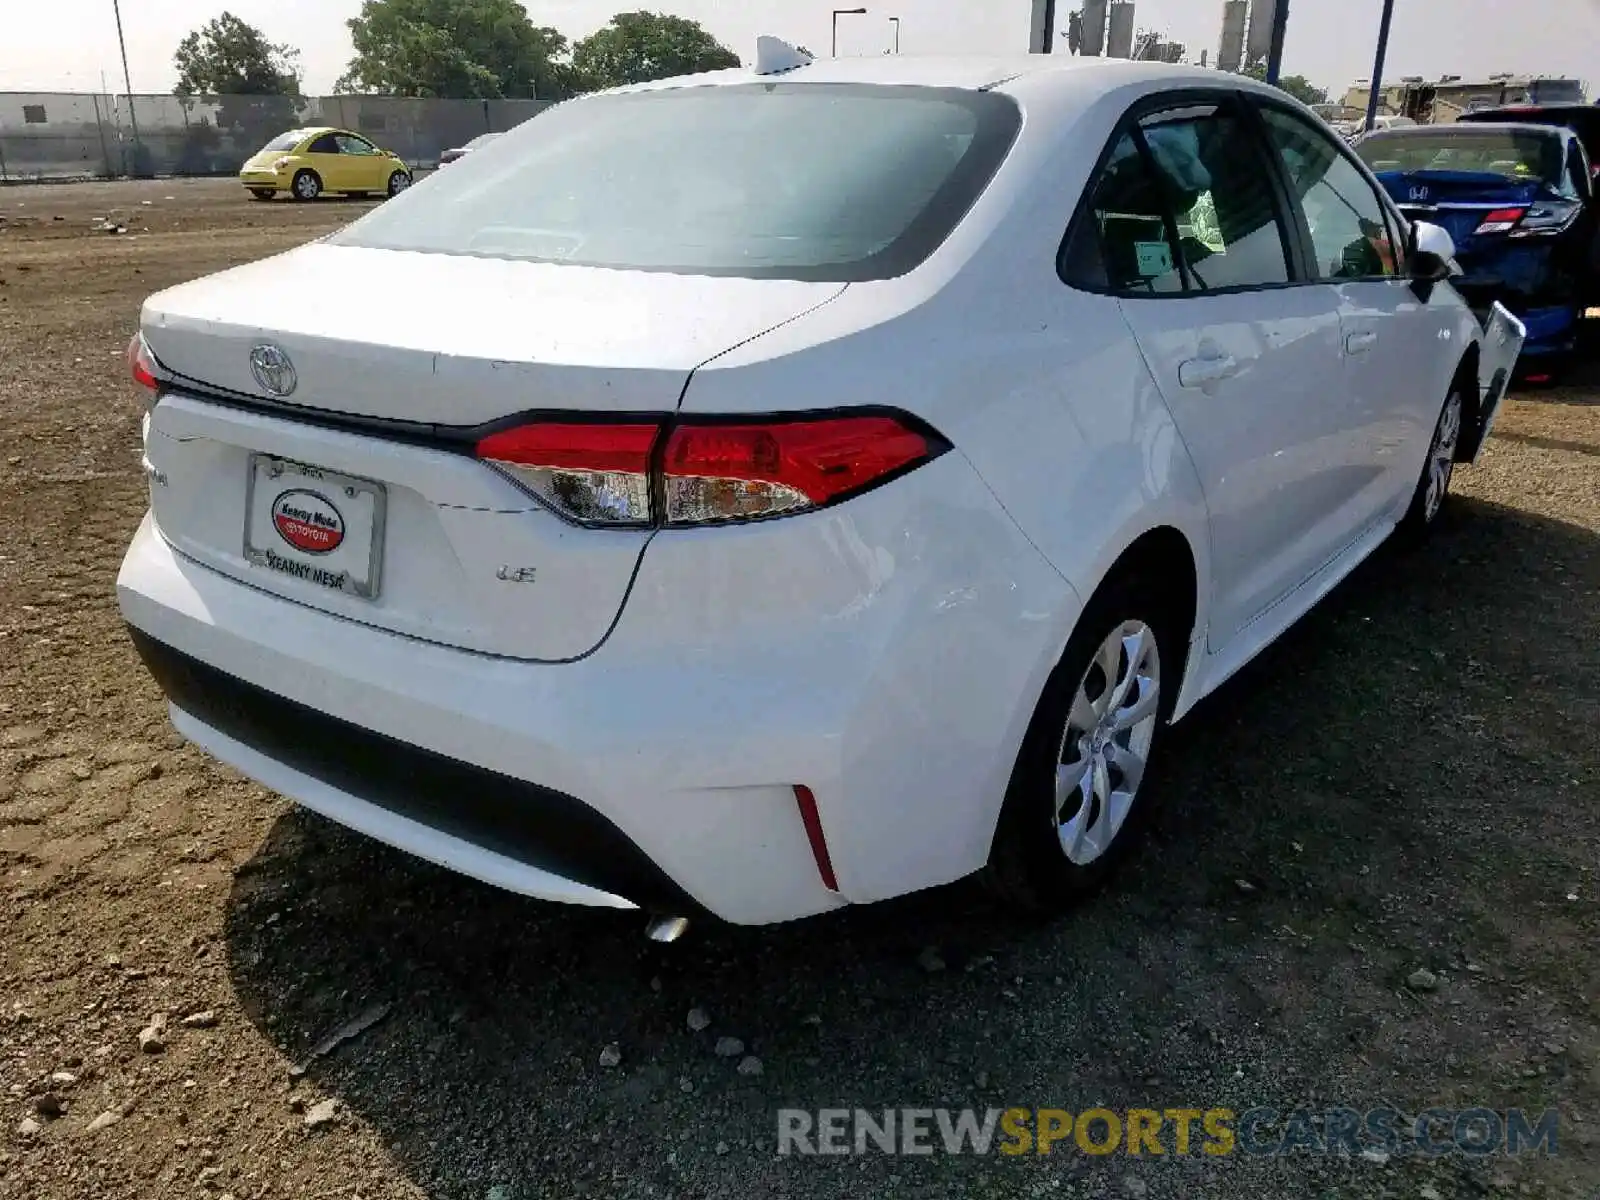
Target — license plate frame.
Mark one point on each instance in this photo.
(360, 506)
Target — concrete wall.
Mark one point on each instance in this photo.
(63, 135)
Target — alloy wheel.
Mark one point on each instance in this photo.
(1106, 743)
(1442, 456)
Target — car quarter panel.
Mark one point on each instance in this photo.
(1041, 387)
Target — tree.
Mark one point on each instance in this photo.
(230, 57)
(257, 85)
(464, 49)
(640, 46)
(1298, 86)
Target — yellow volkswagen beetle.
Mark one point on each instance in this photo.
(307, 162)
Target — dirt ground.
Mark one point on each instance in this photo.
(1408, 781)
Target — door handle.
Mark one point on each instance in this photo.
(1199, 372)
(1360, 343)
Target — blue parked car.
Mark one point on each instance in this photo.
(1519, 200)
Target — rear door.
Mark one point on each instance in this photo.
(1392, 339)
(1247, 360)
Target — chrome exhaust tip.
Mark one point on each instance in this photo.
(666, 929)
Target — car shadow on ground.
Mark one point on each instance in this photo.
(1359, 802)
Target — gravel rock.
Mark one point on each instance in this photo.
(1422, 980)
(1133, 1186)
(27, 1127)
(64, 1079)
(1375, 1156)
(1428, 1192)
(750, 1065)
(153, 1037)
(930, 960)
(729, 1047)
(200, 1020)
(321, 1113)
(105, 1120)
(699, 1019)
(611, 1055)
(722, 1148)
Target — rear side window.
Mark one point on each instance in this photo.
(286, 141)
(775, 180)
(1121, 243)
(1184, 203)
(1219, 184)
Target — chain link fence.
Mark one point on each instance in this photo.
(76, 135)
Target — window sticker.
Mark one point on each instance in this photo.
(1155, 258)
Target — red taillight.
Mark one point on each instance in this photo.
(716, 472)
(1501, 220)
(142, 364)
(710, 470)
(597, 473)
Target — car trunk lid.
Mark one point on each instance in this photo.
(1458, 200)
(355, 489)
(459, 340)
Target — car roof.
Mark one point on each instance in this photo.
(1428, 131)
(1059, 72)
(1554, 110)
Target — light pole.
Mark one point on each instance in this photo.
(1377, 67)
(895, 21)
(127, 81)
(843, 12)
(1280, 23)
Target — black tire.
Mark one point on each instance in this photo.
(399, 182)
(1028, 868)
(307, 186)
(1423, 512)
(262, 193)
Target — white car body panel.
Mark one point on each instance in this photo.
(886, 653)
(446, 339)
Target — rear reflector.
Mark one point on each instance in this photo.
(710, 470)
(1501, 220)
(812, 820)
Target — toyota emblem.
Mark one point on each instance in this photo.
(273, 370)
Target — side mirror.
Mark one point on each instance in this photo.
(1431, 257)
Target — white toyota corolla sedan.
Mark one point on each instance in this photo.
(795, 486)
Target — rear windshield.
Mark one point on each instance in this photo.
(1515, 154)
(778, 181)
(287, 141)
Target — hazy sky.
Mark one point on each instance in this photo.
(66, 44)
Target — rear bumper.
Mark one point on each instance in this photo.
(887, 655)
(425, 800)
